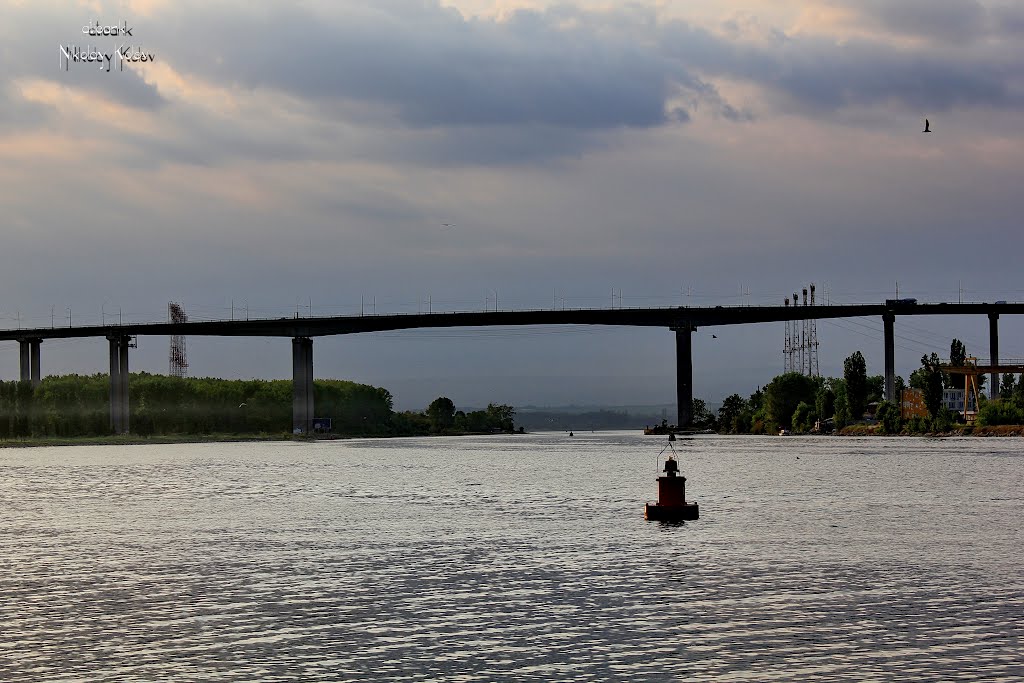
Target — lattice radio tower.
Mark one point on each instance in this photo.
(812, 342)
(800, 349)
(178, 360)
(787, 348)
(798, 340)
(805, 350)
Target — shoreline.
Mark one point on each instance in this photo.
(135, 440)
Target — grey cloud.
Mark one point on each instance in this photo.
(953, 22)
(821, 75)
(37, 53)
(437, 69)
(1009, 20)
(949, 20)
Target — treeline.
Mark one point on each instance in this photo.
(77, 405)
(441, 417)
(802, 404)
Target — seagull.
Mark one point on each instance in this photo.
(926, 128)
(447, 225)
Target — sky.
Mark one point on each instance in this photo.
(331, 157)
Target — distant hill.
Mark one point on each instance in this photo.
(562, 418)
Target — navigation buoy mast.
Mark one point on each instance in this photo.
(671, 505)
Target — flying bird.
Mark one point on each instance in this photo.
(927, 129)
(447, 225)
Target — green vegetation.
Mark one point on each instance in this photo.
(930, 379)
(855, 373)
(806, 404)
(888, 416)
(76, 406)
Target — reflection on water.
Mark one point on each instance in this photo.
(513, 558)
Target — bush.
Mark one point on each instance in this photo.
(1000, 413)
(889, 419)
(919, 425)
(803, 418)
(943, 421)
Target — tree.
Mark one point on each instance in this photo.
(702, 417)
(501, 416)
(855, 373)
(1018, 393)
(803, 417)
(825, 402)
(441, 413)
(929, 379)
(957, 359)
(876, 388)
(842, 412)
(889, 418)
(756, 400)
(784, 393)
(731, 408)
(1008, 385)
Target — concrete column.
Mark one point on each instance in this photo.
(890, 358)
(26, 365)
(309, 386)
(34, 361)
(124, 341)
(993, 347)
(302, 384)
(684, 375)
(115, 384)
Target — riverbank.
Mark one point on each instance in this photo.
(133, 440)
(965, 430)
(136, 440)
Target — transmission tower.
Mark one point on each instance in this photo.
(812, 342)
(798, 341)
(787, 348)
(178, 360)
(805, 349)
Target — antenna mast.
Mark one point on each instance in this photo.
(178, 361)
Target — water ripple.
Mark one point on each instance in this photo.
(519, 559)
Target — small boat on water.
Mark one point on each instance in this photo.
(663, 428)
(671, 505)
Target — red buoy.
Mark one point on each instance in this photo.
(671, 505)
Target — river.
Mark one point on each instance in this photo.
(513, 558)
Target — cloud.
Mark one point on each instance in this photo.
(947, 23)
(431, 67)
(818, 75)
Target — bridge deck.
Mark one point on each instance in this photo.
(678, 317)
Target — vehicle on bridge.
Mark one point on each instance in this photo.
(900, 302)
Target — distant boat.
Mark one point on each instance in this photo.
(784, 432)
(663, 428)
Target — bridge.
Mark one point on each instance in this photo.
(683, 321)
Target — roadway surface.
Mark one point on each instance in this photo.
(678, 317)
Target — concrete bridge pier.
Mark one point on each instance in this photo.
(993, 347)
(30, 371)
(890, 358)
(684, 375)
(119, 406)
(302, 385)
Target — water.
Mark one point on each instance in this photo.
(513, 559)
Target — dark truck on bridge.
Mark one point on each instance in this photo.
(900, 302)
